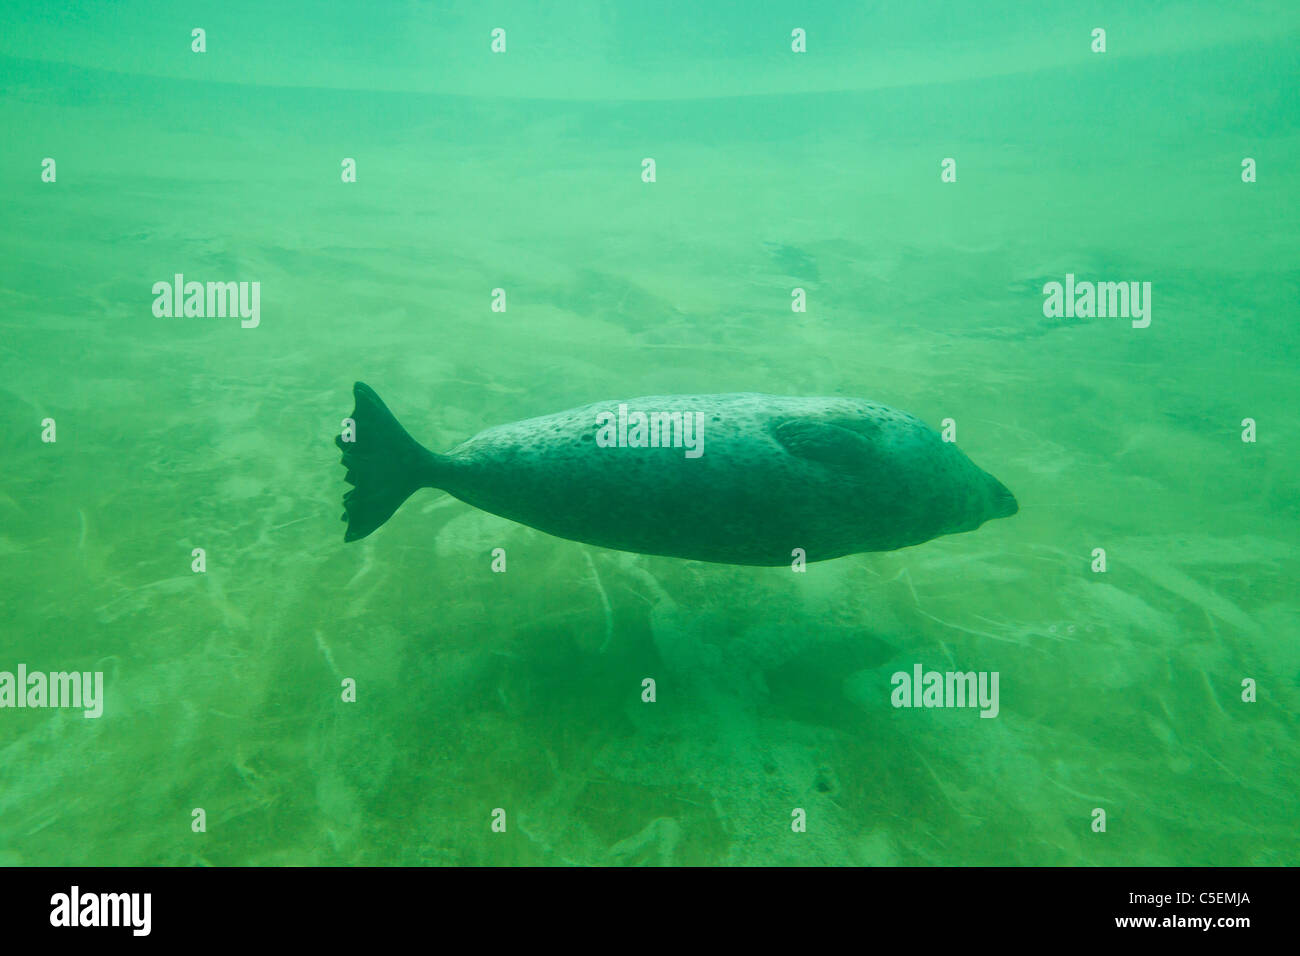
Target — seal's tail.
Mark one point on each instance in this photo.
(384, 463)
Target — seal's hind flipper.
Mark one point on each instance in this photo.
(384, 463)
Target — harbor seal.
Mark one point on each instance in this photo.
(734, 479)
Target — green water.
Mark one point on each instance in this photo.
(1120, 691)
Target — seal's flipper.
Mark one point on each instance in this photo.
(839, 446)
(384, 463)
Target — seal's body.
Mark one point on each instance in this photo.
(737, 479)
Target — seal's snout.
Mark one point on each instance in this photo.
(1004, 502)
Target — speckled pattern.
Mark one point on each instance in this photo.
(832, 476)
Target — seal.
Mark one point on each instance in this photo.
(735, 479)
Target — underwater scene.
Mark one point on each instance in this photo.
(773, 434)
